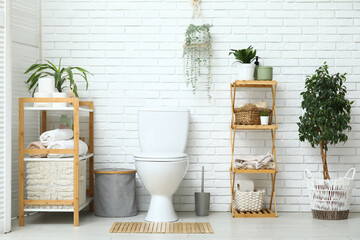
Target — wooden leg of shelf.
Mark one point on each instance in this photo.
(76, 161)
(231, 190)
(21, 162)
(43, 121)
(91, 161)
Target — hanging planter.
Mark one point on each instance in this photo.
(197, 55)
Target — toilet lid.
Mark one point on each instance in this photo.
(160, 156)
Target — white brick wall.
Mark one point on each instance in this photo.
(134, 48)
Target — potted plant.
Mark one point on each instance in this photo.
(197, 55)
(47, 74)
(245, 57)
(326, 118)
(264, 118)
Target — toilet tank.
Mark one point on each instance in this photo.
(163, 129)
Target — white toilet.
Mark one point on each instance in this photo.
(162, 164)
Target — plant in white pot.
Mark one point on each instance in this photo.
(326, 118)
(43, 73)
(264, 118)
(245, 57)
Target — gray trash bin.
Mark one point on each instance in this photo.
(115, 192)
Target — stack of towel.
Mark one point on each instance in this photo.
(256, 162)
(57, 139)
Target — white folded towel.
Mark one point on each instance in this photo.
(67, 144)
(55, 135)
(256, 161)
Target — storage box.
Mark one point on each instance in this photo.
(53, 180)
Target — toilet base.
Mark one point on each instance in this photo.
(161, 209)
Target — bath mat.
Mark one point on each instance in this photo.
(162, 227)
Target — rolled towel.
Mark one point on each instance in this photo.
(67, 144)
(37, 145)
(55, 135)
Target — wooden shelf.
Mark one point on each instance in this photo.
(65, 159)
(268, 170)
(254, 127)
(75, 107)
(81, 109)
(254, 84)
(272, 85)
(70, 209)
(254, 214)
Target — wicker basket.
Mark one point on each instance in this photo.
(249, 201)
(330, 199)
(247, 115)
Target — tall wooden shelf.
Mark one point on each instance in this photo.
(76, 107)
(271, 210)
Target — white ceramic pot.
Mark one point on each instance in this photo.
(46, 84)
(59, 104)
(264, 120)
(42, 95)
(246, 71)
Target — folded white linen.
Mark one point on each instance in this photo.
(55, 135)
(254, 162)
(67, 144)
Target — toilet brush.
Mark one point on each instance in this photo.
(202, 199)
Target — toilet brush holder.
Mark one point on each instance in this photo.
(202, 203)
(202, 199)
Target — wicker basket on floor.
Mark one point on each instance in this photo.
(249, 201)
(330, 199)
(247, 115)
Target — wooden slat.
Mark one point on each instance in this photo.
(210, 228)
(48, 151)
(29, 100)
(113, 227)
(48, 202)
(21, 162)
(254, 127)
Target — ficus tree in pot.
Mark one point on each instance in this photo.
(326, 112)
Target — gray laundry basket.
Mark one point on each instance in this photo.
(115, 192)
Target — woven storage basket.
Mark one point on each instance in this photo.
(330, 199)
(247, 115)
(249, 201)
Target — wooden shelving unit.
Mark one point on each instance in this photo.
(76, 107)
(271, 210)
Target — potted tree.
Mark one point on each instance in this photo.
(48, 74)
(245, 57)
(326, 118)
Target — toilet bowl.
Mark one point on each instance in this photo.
(162, 163)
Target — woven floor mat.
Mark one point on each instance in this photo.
(162, 227)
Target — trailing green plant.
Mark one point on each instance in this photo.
(264, 114)
(60, 74)
(197, 55)
(327, 112)
(244, 55)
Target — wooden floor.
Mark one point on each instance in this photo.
(162, 227)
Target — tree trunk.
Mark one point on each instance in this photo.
(324, 162)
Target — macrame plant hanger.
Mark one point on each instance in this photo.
(196, 8)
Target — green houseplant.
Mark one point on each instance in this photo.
(59, 73)
(326, 112)
(197, 55)
(245, 57)
(264, 118)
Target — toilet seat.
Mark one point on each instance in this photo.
(161, 157)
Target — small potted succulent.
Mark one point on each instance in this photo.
(264, 118)
(245, 57)
(46, 77)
